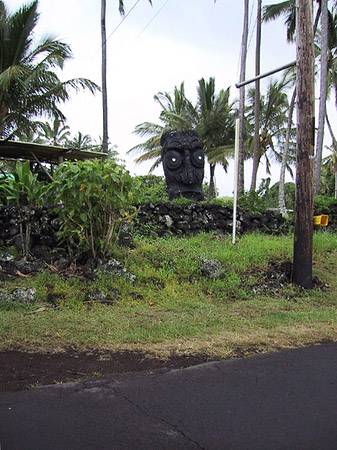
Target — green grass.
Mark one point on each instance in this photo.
(172, 307)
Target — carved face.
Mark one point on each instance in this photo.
(183, 161)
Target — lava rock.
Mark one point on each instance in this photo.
(211, 268)
(25, 295)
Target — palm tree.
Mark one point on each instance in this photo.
(81, 142)
(56, 133)
(273, 117)
(286, 8)
(323, 94)
(330, 162)
(327, 36)
(215, 126)
(177, 113)
(29, 86)
(330, 165)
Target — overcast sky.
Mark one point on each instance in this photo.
(153, 50)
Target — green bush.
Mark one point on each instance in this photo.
(94, 196)
(322, 204)
(271, 197)
(22, 187)
(221, 201)
(252, 203)
(152, 189)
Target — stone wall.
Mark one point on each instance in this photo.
(158, 218)
(162, 218)
(44, 227)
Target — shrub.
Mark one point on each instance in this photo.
(252, 203)
(95, 197)
(152, 189)
(272, 196)
(23, 190)
(323, 204)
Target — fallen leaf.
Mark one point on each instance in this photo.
(23, 275)
(37, 310)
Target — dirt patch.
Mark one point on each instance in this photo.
(22, 370)
(277, 275)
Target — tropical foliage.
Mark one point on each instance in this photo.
(23, 190)
(96, 196)
(274, 106)
(56, 133)
(329, 173)
(29, 84)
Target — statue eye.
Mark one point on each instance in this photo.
(173, 159)
(198, 158)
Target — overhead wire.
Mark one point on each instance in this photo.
(120, 23)
(250, 22)
(251, 35)
(152, 19)
(128, 13)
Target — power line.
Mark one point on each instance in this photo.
(253, 29)
(152, 18)
(120, 23)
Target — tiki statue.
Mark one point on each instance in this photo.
(183, 161)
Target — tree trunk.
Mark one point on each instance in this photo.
(257, 156)
(241, 184)
(105, 140)
(334, 142)
(303, 232)
(281, 193)
(334, 146)
(323, 94)
(211, 187)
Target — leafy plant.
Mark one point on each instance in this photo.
(95, 196)
(323, 204)
(152, 189)
(252, 203)
(273, 193)
(25, 191)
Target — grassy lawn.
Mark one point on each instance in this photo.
(173, 307)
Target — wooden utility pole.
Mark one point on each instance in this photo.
(303, 233)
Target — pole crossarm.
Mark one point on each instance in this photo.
(271, 72)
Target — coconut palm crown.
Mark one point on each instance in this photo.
(29, 86)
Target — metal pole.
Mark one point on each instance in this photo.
(271, 72)
(237, 125)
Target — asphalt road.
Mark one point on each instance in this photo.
(285, 400)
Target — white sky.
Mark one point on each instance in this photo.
(187, 40)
